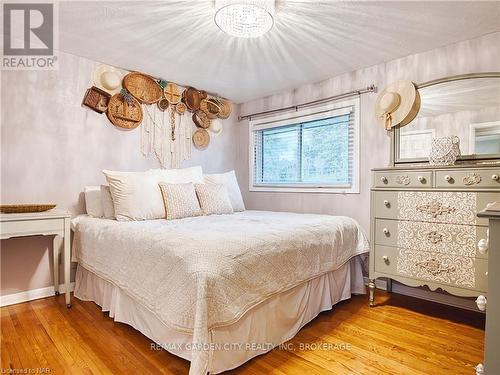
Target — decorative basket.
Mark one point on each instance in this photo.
(123, 114)
(96, 99)
(225, 108)
(444, 151)
(25, 208)
(143, 87)
(210, 107)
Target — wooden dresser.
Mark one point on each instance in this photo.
(424, 228)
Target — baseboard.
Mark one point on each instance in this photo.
(30, 295)
(446, 299)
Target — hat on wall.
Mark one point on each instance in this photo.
(108, 79)
(216, 127)
(398, 104)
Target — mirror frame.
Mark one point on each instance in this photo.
(395, 160)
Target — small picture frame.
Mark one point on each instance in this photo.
(96, 99)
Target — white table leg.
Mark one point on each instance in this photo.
(56, 245)
(67, 261)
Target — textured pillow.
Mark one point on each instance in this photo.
(93, 203)
(107, 203)
(180, 201)
(137, 196)
(214, 199)
(229, 180)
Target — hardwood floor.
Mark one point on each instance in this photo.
(399, 336)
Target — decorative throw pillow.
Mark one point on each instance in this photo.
(93, 201)
(180, 201)
(229, 180)
(214, 199)
(107, 203)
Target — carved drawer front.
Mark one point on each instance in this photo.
(401, 180)
(448, 269)
(438, 207)
(472, 179)
(441, 238)
(432, 206)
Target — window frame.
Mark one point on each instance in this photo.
(333, 109)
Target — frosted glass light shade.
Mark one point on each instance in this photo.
(245, 19)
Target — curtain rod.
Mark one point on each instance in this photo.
(371, 88)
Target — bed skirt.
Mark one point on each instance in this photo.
(267, 325)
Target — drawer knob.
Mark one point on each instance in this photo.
(495, 177)
(383, 179)
(387, 203)
(385, 230)
(481, 303)
(421, 179)
(482, 246)
(385, 258)
(448, 178)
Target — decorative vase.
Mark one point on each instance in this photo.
(444, 151)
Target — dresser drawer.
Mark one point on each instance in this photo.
(31, 227)
(402, 179)
(448, 269)
(441, 238)
(468, 179)
(432, 206)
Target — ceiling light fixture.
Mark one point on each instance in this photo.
(245, 19)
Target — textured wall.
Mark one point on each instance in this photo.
(477, 55)
(51, 148)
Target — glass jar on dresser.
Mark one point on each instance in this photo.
(424, 228)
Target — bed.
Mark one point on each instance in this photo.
(218, 290)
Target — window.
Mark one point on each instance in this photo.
(485, 138)
(415, 143)
(311, 150)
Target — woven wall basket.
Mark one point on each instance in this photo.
(210, 107)
(123, 114)
(225, 108)
(201, 139)
(143, 87)
(201, 120)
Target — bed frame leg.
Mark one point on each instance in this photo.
(371, 287)
(389, 285)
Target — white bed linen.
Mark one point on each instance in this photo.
(197, 274)
(269, 324)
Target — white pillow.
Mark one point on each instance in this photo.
(137, 196)
(181, 175)
(107, 203)
(93, 201)
(229, 180)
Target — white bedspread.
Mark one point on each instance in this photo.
(198, 273)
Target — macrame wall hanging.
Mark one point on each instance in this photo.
(173, 119)
(166, 135)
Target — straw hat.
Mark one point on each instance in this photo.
(216, 127)
(108, 79)
(398, 104)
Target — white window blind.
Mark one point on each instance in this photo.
(311, 151)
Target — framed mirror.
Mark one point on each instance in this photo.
(466, 106)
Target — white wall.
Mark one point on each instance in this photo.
(477, 55)
(51, 148)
